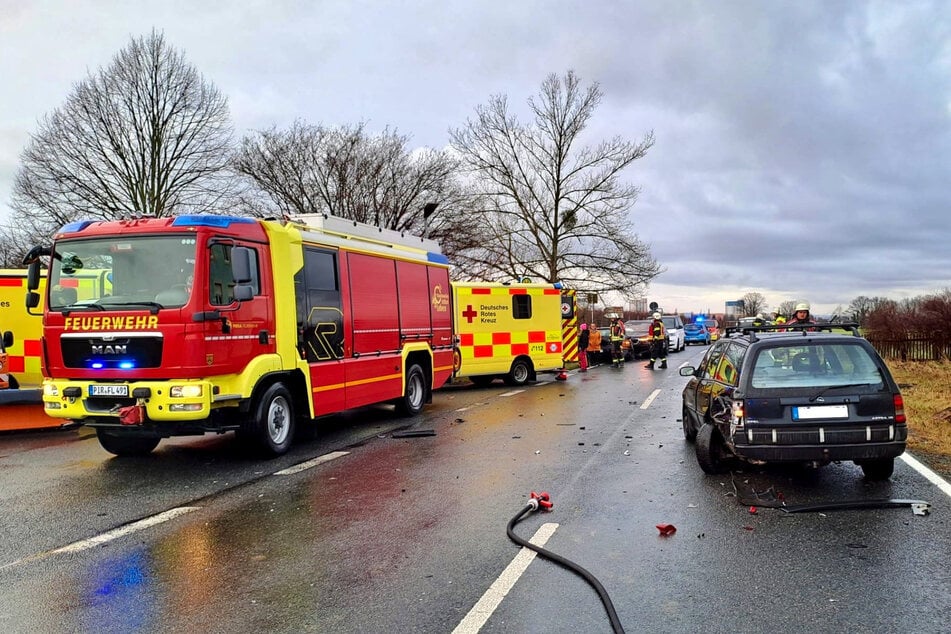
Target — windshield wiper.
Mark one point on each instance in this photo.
(153, 306)
(68, 309)
(833, 387)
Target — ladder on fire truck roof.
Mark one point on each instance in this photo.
(345, 228)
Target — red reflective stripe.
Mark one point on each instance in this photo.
(519, 348)
(482, 291)
(64, 283)
(482, 352)
(518, 291)
(11, 281)
(552, 291)
(536, 336)
(15, 364)
(32, 347)
(501, 338)
(466, 339)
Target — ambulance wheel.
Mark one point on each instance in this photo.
(411, 403)
(123, 445)
(520, 373)
(272, 424)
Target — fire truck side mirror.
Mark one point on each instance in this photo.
(33, 276)
(241, 272)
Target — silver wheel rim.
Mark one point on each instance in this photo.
(521, 373)
(278, 420)
(414, 391)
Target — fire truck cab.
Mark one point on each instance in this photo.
(216, 323)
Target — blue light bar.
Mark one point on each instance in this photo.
(205, 220)
(78, 225)
(437, 258)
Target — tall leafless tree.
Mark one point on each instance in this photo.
(347, 172)
(146, 135)
(552, 209)
(753, 303)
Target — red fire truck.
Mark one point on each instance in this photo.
(215, 323)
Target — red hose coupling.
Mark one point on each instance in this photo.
(541, 500)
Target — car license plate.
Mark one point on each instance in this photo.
(809, 412)
(108, 390)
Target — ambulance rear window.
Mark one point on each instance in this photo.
(522, 306)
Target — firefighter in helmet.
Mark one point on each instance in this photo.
(802, 315)
(617, 340)
(658, 341)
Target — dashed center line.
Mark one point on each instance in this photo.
(650, 399)
(492, 598)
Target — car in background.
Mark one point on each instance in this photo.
(794, 397)
(696, 333)
(675, 333)
(638, 334)
(712, 326)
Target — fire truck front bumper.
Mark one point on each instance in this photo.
(159, 400)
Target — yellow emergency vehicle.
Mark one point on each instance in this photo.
(23, 357)
(507, 331)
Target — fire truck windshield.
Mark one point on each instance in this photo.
(121, 273)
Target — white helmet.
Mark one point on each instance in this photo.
(802, 306)
(656, 315)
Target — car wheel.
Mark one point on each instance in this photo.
(124, 445)
(878, 469)
(690, 432)
(519, 374)
(411, 403)
(711, 453)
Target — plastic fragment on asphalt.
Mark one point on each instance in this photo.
(752, 510)
(412, 433)
(666, 530)
(920, 508)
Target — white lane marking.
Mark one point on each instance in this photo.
(484, 608)
(327, 457)
(122, 531)
(933, 477)
(512, 393)
(650, 399)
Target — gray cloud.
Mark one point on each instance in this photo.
(802, 147)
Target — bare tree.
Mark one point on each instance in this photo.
(551, 208)
(145, 135)
(347, 172)
(753, 303)
(787, 308)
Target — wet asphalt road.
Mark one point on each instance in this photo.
(406, 534)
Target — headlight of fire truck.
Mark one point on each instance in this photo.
(50, 390)
(185, 391)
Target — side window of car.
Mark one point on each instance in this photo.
(730, 364)
(708, 366)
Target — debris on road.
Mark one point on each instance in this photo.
(666, 529)
(412, 433)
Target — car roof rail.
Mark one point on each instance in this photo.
(805, 328)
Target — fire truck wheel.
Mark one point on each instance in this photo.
(411, 403)
(520, 373)
(123, 445)
(273, 420)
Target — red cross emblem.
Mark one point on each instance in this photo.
(469, 314)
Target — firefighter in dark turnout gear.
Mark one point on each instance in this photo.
(658, 339)
(617, 340)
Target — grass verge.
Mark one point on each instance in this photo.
(926, 389)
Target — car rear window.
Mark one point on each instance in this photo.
(693, 327)
(819, 365)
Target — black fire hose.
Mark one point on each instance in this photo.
(541, 500)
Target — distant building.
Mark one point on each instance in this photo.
(734, 309)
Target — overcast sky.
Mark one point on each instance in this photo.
(802, 148)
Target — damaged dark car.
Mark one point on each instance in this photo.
(788, 394)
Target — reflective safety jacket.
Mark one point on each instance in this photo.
(617, 330)
(656, 331)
